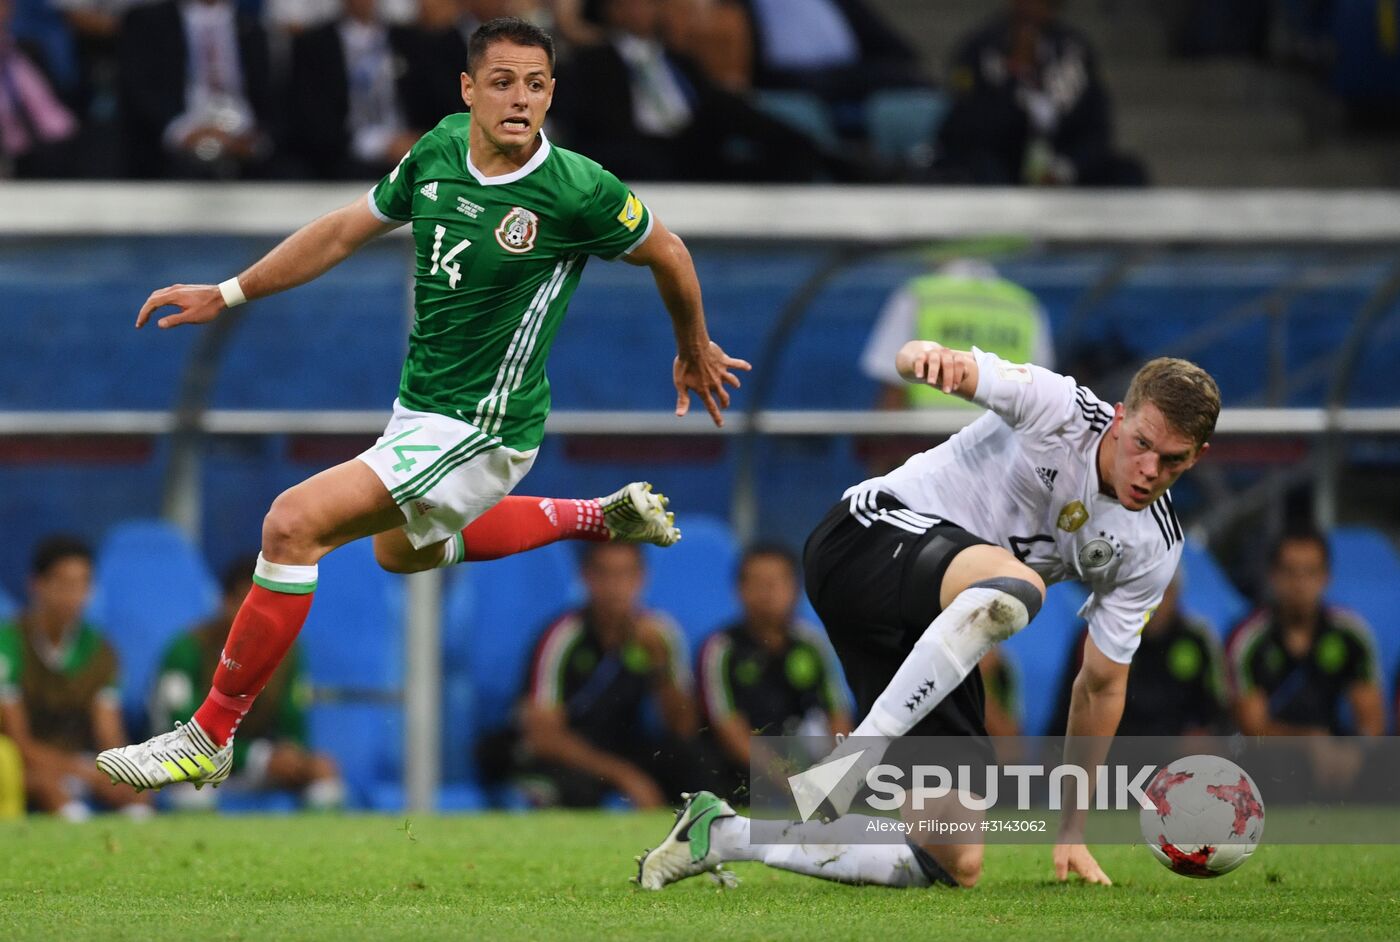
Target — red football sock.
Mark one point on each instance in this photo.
(518, 524)
(263, 632)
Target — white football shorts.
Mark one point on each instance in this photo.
(442, 472)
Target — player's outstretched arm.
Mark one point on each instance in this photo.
(310, 251)
(701, 366)
(926, 362)
(1096, 706)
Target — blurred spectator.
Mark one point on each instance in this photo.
(841, 50)
(581, 728)
(1176, 685)
(1030, 107)
(58, 688)
(768, 674)
(648, 114)
(964, 303)
(349, 94)
(436, 55)
(34, 121)
(271, 750)
(713, 34)
(195, 90)
(1300, 665)
(291, 18)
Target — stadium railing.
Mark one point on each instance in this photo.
(849, 225)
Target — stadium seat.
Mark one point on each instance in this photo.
(353, 644)
(693, 581)
(1366, 579)
(494, 613)
(801, 111)
(1040, 651)
(902, 122)
(1207, 593)
(150, 584)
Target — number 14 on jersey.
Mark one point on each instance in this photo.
(453, 268)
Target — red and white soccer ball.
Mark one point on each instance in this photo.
(1205, 818)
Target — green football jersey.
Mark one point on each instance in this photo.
(497, 260)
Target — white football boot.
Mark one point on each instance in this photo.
(185, 754)
(687, 850)
(634, 514)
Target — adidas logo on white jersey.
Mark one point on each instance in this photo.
(1047, 477)
(430, 191)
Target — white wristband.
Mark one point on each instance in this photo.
(232, 292)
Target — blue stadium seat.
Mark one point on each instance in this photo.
(353, 643)
(801, 111)
(693, 581)
(7, 605)
(1040, 651)
(1366, 579)
(1207, 592)
(494, 613)
(150, 585)
(901, 122)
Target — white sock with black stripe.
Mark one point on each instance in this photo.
(943, 656)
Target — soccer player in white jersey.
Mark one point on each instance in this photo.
(918, 573)
(503, 223)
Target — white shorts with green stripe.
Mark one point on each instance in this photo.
(442, 472)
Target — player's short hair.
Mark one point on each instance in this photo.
(53, 550)
(510, 29)
(1185, 393)
(238, 571)
(1301, 533)
(770, 549)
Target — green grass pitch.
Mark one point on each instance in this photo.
(562, 875)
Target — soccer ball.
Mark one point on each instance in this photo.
(1205, 817)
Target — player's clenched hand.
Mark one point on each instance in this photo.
(934, 365)
(706, 377)
(1075, 858)
(198, 304)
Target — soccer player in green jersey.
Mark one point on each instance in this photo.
(502, 225)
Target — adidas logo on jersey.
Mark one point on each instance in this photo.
(1047, 477)
(430, 191)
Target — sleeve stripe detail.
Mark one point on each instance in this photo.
(714, 677)
(646, 231)
(546, 689)
(1171, 512)
(1242, 652)
(675, 646)
(1092, 411)
(837, 697)
(1159, 515)
(378, 213)
(1351, 623)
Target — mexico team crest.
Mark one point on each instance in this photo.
(517, 231)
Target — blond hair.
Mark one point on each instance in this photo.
(1186, 395)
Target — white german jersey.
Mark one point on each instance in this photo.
(1025, 476)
